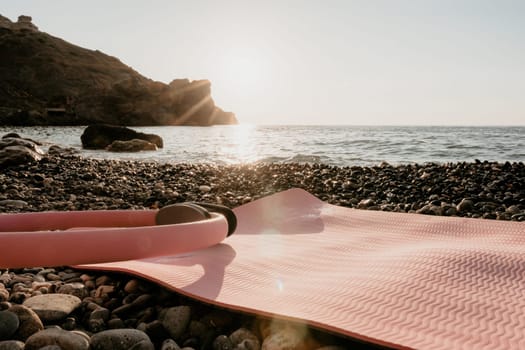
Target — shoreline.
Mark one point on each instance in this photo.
(64, 181)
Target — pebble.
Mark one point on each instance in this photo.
(9, 323)
(243, 339)
(465, 205)
(170, 344)
(30, 323)
(176, 320)
(365, 203)
(77, 289)
(285, 339)
(11, 345)
(132, 287)
(13, 203)
(65, 340)
(222, 342)
(103, 291)
(121, 339)
(53, 307)
(204, 188)
(4, 294)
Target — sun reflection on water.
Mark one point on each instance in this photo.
(240, 147)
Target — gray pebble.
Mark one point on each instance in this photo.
(100, 313)
(204, 188)
(120, 339)
(8, 324)
(115, 323)
(51, 347)
(133, 286)
(4, 305)
(65, 340)
(286, 338)
(176, 320)
(243, 339)
(53, 307)
(11, 345)
(69, 324)
(30, 323)
(465, 205)
(143, 345)
(222, 342)
(13, 203)
(4, 294)
(77, 289)
(169, 344)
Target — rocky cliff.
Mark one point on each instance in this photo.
(48, 81)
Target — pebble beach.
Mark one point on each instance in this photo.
(45, 306)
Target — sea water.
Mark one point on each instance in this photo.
(335, 145)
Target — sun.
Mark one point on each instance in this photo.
(246, 71)
(241, 76)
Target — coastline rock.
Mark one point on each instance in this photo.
(134, 145)
(14, 151)
(23, 24)
(48, 81)
(103, 135)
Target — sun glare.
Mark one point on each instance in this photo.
(245, 73)
(241, 79)
(240, 147)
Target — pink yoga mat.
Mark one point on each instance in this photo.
(400, 280)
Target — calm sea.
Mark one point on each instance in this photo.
(336, 145)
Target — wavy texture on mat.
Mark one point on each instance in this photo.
(400, 280)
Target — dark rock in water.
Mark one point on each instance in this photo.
(134, 145)
(14, 135)
(48, 81)
(14, 151)
(11, 134)
(57, 150)
(102, 135)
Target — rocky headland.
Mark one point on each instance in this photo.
(48, 81)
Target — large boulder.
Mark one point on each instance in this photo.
(16, 150)
(134, 145)
(100, 136)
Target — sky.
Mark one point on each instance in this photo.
(347, 62)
